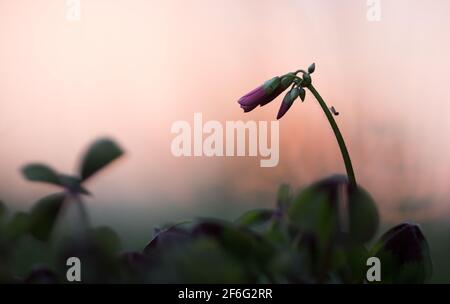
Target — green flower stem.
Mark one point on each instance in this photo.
(339, 138)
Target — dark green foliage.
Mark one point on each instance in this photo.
(41, 173)
(406, 254)
(255, 218)
(2, 209)
(41, 275)
(100, 154)
(45, 174)
(306, 80)
(318, 235)
(284, 197)
(363, 215)
(44, 214)
(17, 226)
(303, 240)
(72, 184)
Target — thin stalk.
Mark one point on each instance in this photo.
(339, 138)
(83, 212)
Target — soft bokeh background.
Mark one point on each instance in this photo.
(130, 68)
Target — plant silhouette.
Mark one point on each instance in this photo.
(318, 234)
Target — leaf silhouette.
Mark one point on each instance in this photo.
(99, 155)
(44, 214)
(41, 173)
(363, 215)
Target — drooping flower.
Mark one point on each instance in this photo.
(265, 93)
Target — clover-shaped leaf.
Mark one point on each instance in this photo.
(44, 214)
(312, 211)
(315, 209)
(99, 155)
(73, 184)
(41, 173)
(45, 174)
(363, 215)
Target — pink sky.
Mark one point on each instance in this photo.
(130, 68)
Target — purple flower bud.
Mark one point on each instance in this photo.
(287, 102)
(248, 108)
(265, 93)
(253, 99)
(405, 253)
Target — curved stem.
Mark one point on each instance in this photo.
(299, 71)
(339, 138)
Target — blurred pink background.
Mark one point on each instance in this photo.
(130, 68)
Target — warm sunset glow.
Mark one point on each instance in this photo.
(129, 69)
